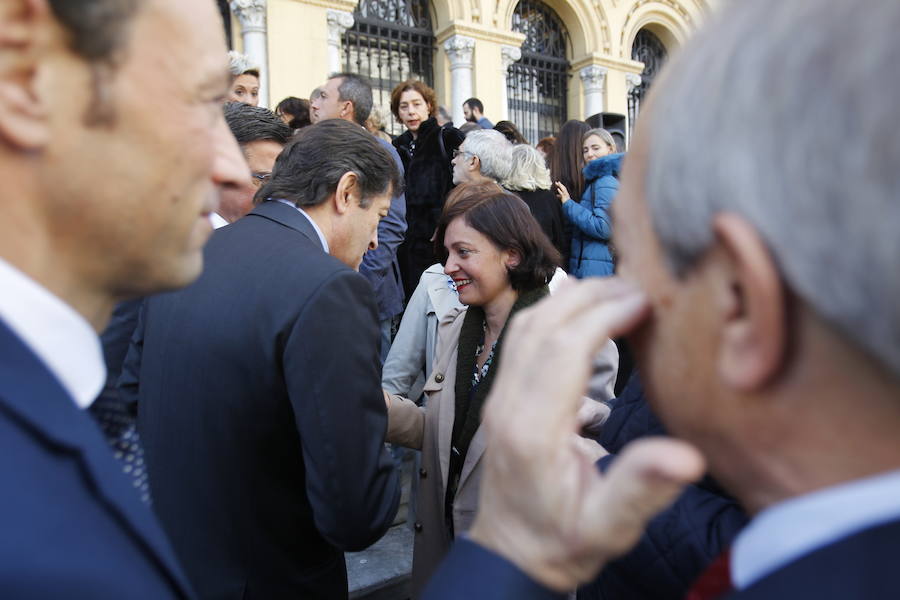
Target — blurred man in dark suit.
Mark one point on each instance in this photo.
(103, 200)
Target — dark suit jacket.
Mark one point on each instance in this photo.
(262, 416)
(380, 265)
(859, 567)
(71, 525)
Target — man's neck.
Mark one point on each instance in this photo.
(835, 419)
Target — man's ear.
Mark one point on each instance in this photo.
(751, 299)
(347, 111)
(347, 192)
(24, 29)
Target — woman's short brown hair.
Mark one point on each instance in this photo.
(417, 86)
(506, 220)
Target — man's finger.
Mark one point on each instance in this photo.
(647, 477)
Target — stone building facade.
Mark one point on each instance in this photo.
(535, 62)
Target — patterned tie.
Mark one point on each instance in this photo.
(714, 582)
(118, 424)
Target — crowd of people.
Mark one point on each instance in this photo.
(221, 325)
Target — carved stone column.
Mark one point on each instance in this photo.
(459, 49)
(632, 80)
(593, 79)
(508, 55)
(252, 16)
(338, 22)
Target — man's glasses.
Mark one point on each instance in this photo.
(261, 177)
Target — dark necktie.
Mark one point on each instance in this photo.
(118, 425)
(714, 582)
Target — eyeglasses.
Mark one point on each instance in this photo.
(261, 177)
(457, 152)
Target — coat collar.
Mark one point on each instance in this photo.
(31, 393)
(287, 216)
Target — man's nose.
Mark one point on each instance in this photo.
(373, 243)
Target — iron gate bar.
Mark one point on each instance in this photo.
(392, 41)
(537, 84)
(648, 49)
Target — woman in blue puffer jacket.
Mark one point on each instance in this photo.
(591, 229)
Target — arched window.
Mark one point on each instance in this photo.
(537, 84)
(390, 41)
(648, 49)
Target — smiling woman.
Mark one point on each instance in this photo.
(500, 262)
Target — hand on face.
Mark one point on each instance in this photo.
(543, 504)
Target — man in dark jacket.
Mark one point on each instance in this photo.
(348, 96)
(260, 402)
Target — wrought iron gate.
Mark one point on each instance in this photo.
(390, 41)
(648, 49)
(537, 84)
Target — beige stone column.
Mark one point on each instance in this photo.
(508, 55)
(593, 84)
(339, 21)
(459, 49)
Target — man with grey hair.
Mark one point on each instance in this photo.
(348, 96)
(484, 155)
(761, 295)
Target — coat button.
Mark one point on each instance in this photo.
(417, 527)
(439, 378)
(423, 473)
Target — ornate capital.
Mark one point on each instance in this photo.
(338, 22)
(509, 55)
(632, 80)
(251, 14)
(592, 77)
(459, 50)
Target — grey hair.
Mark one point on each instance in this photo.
(238, 64)
(494, 152)
(529, 170)
(603, 135)
(798, 137)
(357, 90)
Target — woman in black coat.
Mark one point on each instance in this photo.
(426, 150)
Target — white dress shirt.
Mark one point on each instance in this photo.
(217, 220)
(55, 332)
(794, 528)
(313, 223)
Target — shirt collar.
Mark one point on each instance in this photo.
(63, 339)
(794, 528)
(217, 220)
(313, 223)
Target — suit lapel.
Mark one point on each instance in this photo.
(476, 450)
(31, 393)
(288, 216)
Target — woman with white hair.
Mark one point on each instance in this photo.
(530, 180)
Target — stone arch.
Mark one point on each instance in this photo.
(446, 11)
(669, 20)
(586, 23)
